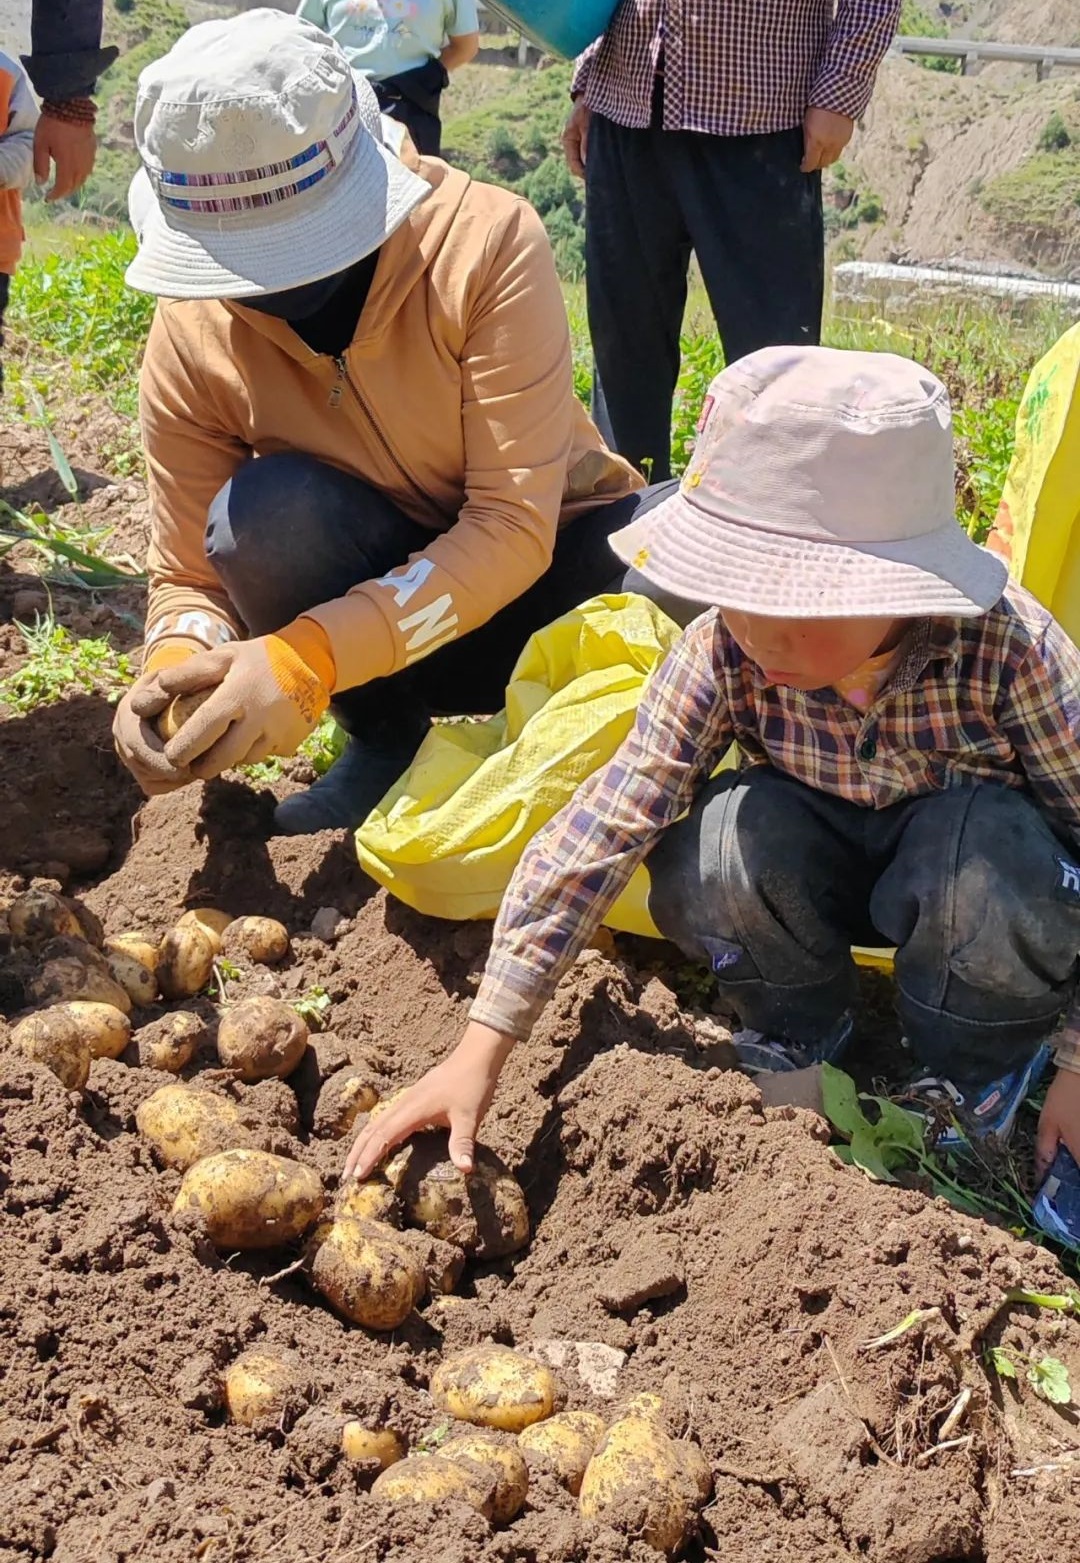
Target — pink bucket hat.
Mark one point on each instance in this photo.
(821, 486)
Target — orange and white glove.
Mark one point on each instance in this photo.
(137, 742)
(268, 695)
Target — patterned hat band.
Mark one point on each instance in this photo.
(249, 189)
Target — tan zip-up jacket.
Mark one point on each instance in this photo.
(455, 399)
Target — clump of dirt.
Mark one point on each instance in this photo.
(763, 1270)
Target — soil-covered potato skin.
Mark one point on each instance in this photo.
(484, 1212)
(250, 1199)
(261, 1039)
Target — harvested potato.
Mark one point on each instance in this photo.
(140, 945)
(346, 1095)
(376, 1448)
(428, 1478)
(563, 1445)
(261, 1039)
(185, 962)
(483, 1212)
(259, 939)
(503, 1460)
(493, 1386)
(57, 1041)
(178, 710)
(184, 1124)
(212, 923)
(368, 1272)
(36, 915)
(135, 976)
(90, 924)
(251, 1199)
(372, 1200)
(262, 1387)
(646, 1481)
(69, 977)
(170, 1042)
(105, 1029)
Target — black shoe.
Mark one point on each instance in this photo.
(354, 784)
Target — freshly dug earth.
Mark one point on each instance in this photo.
(772, 1265)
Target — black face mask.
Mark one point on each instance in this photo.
(299, 303)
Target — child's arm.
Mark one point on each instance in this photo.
(570, 875)
(17, 141)
(462, 34)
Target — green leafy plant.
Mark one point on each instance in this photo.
(58, 666)
(313, 1007)
(1048, 1376)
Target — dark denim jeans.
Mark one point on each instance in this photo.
(295, 532)
(772, 883)
(754, 221)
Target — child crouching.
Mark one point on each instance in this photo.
(908, 728)
(18, 116)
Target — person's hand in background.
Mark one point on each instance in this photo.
(825, 135)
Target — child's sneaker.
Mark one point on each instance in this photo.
(760, 1055)
(1056, 1208)
(991, 1110)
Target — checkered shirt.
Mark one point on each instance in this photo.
(993, 699)
(736, 67)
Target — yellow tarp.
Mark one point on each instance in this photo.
(1037, 529)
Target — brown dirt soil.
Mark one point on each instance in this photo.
(772, 1266)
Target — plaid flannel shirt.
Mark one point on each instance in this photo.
(992, 699)
(736, 67)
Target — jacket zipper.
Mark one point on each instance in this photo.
(336, 392)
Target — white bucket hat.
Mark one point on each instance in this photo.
(821, 486)
(265, 164)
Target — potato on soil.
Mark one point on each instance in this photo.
(262, 1038)
(642, 1480)
(347, 1094)
(368, 1273)
(251, 1199)
(58, 1042)
(260, 939)
(170, 1042)
(140, 945)
(184, 1124)
(212, 923)
(69, 977)
(563, 1445)
(135, 976)
(484, 1212)
(502, 1459)
(375, 1448)
(36, 915)
(428, 1478)
(493, 1386)
(90, 925)
(370, 1200)
(185, 962)
(178, 710)
(264, 1388)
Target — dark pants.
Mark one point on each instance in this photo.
(413, 99)
(772, 883)
(753, 220)
(5, 286)
(297, 532)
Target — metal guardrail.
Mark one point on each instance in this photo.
(973, 51)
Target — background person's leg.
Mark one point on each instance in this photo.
(637, 251)
(983, 904)
(755, 222)
(767, 882)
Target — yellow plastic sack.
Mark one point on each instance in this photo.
(448, 836)
(1037, 529)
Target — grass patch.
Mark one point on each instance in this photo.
(58, 666)
(1041, 195)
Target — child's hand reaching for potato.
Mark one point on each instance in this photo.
(455, 1095)
(1059, 1121)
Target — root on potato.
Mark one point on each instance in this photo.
(563, 1445)
(249, 1199)
(262, 1039)
(185, 1124)
(484, 1212)
(500, 1457)
(56, 1040)
(492, 1386)
(185, 962)
(428, 1478)
(368, 1273)
(260, 939)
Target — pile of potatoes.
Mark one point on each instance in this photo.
(630, 1471)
